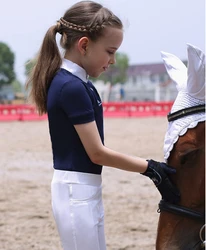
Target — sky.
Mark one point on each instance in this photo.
(149, 27)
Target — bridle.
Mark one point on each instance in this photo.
(185, 112)
(176, 209)
(186, 212)
(182, 211)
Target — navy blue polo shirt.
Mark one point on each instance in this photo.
(72, 100)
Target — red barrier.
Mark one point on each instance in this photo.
(136, 109)
(19, 113)
(10, 112)
(111, 109)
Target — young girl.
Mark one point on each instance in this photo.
(90, 36)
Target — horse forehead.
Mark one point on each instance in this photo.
(196, 133)
(194, 138)
(181, 127)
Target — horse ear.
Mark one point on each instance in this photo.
(196, 72)
(176, 70)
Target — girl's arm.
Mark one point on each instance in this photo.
(98, 153)
(101, 155)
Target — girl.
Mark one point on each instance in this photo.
(90, 36)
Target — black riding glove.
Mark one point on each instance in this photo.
(158, 173)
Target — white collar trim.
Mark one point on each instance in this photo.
(75, 69)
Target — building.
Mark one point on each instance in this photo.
(145, 82)
(149, 82)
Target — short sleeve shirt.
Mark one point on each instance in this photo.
(71, 100)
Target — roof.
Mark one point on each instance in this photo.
(141, 69)
(149, 69)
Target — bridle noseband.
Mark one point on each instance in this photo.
(176, 209)
(186, 212)
(180, 210)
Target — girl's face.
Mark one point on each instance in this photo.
(100, 54)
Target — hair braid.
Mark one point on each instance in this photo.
(82, 28)
(73, 26)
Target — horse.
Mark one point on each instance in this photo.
(182, 226)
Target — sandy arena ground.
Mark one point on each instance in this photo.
(130, 199)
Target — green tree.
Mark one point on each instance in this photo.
(29, 66)
(7, 74)
(17, 87)
(116, 73)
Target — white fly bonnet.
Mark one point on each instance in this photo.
(190, 83)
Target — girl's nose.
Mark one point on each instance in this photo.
(113, 60)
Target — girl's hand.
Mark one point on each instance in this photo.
(159, 172)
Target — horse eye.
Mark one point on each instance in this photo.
(183, 159)
(188, 157)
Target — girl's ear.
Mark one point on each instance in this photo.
(83, 45)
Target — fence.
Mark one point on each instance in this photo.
(136, 109)
(19, 113)
(111, 109)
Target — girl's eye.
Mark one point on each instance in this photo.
(111, 52)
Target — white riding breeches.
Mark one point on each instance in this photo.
(78, 210)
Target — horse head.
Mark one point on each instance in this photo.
(181, 225)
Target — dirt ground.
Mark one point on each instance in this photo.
(130, 199)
